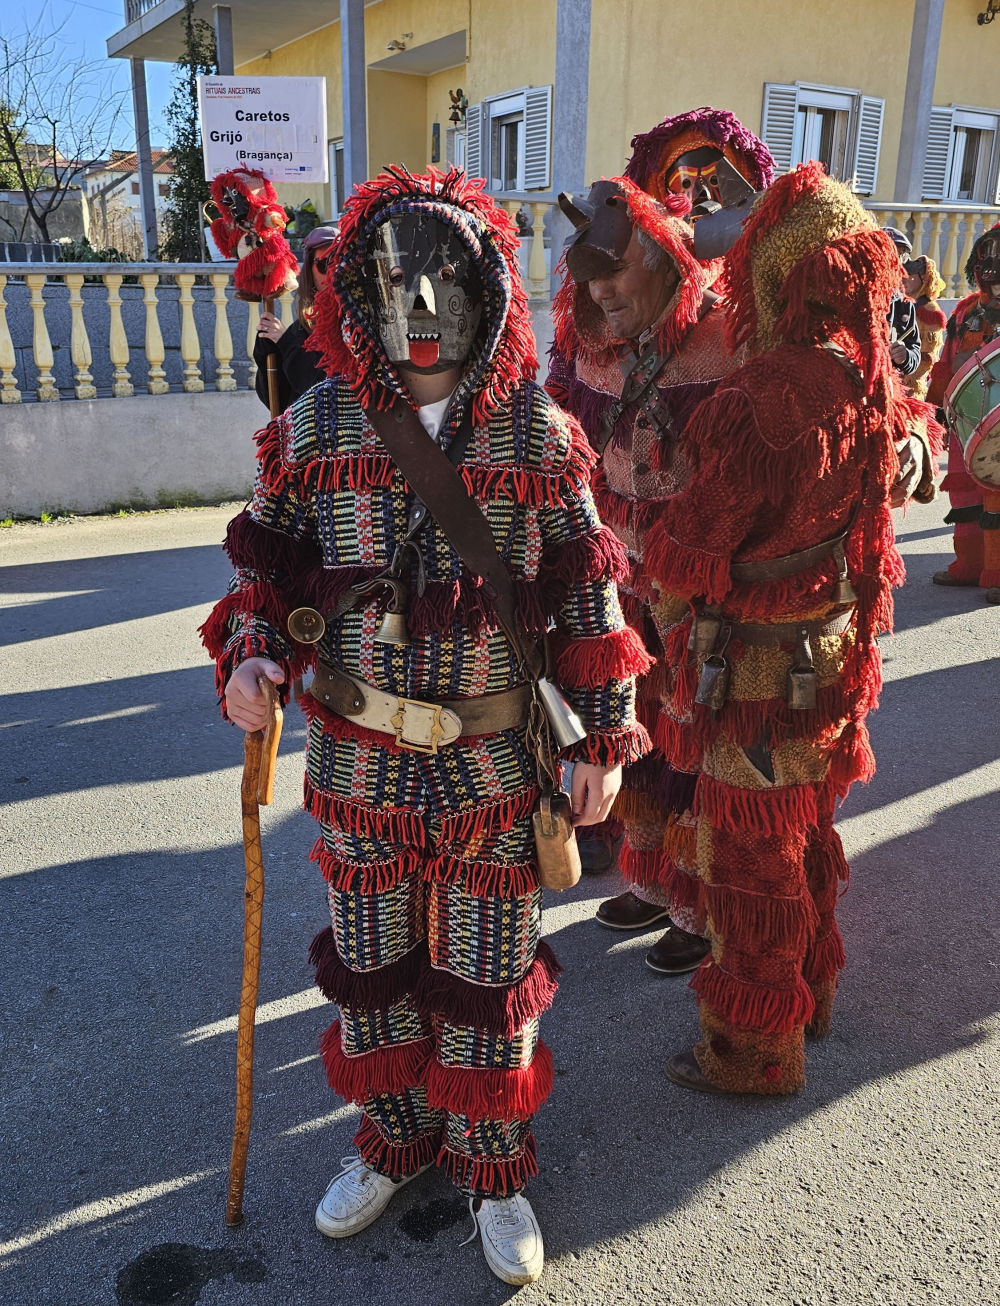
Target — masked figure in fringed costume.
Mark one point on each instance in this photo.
(782, 540)
(649, 293)
(923, 284)
(434, 956)
(975, 512)
(250, 228)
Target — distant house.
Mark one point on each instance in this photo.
(118, 178)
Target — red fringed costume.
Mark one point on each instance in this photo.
(639, 471)
(792, 451)
(975, 511)
(250, 228)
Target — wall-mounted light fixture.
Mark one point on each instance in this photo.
(460, 102)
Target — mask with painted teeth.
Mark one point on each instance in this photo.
(426, 293)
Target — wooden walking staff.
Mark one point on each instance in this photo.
(260, 750)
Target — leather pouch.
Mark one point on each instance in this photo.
(555, 841)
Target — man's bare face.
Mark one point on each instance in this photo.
(632, 297)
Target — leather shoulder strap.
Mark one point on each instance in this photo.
(432, 478)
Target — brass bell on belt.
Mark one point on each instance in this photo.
(843, 591)
(306, 625)
(803, 681)
(393, 628)
(713, 683)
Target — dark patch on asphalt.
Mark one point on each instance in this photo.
(424, 1223)
(173, 1274)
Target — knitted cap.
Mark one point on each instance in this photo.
(655, 151)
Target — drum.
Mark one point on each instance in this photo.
(972, 409)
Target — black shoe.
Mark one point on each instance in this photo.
(677, 952)
(627, 912)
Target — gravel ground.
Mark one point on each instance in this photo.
(121, 882)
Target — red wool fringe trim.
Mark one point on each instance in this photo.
(496, 1009)
(684, 889)
(645, 867)
(395, 1160)
(597, 556)
(483, 1094)
(390, 1069)
(592, 662)
(483, 879)
(741, 916)
(395, 823)
(487, 1176)
(785, 809)
(503, 814)
(683, 569)
(367, 990)
(252, 545)
(825, 959)
(753, 1006)
(614, 747)
(364, 877)
(679, 743)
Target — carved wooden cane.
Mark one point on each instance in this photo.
(260, 750)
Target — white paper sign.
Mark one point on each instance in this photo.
(274, 124)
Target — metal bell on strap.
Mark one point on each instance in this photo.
(393, 628)
(306, 625)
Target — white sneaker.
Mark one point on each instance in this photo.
(512, 1239)
(356, 1198)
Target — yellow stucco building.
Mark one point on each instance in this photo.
(900, 96)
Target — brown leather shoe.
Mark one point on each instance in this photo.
(676, 952)
(684, 1071)
(946, 578)
(627, 912)
(993, 595)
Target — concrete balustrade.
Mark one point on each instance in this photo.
(946, 233)
(157, 282)
(535, 267)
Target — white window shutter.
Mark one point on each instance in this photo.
(537, 138)
(474, 141)
(871, 112)
(937, 162)
(777, 123)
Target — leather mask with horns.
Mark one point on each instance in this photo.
(603, 230)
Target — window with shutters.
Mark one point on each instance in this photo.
(508, 140)
(963, 155)
(841, 128)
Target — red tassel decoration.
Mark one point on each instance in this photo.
(785, 809)
(396, 823)
(395, 1160)
(503, 814)
(496, 1009)
(645, 867)
(483, 879)
(389, 1069)
(485, 1094)
(490, 1176)
(752, 1006)
(364, 877)
(367, 990)
(825, 959)
(592, 662)
(786, 925)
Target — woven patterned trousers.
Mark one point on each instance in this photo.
(434, 956)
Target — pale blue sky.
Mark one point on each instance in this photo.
(86, 27)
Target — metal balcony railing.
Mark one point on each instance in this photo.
(134, 9)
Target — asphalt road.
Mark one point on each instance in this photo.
(121, 894)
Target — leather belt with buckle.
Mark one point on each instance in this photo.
(413, 724)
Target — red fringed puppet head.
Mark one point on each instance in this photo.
(250, 228)
(582, 328)
(812, 265)
(346, 332)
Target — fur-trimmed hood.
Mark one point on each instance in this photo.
(581, 327)
(345, 333)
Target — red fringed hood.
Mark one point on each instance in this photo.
(580, 326)
(654, 151)
(811, 265)
(345, 333)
